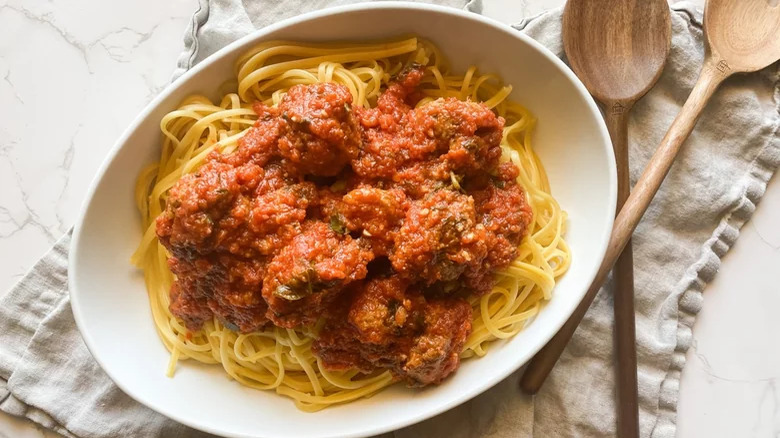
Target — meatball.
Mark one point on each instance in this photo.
(436, 352)
(419, 179)
(258, 145)
(502, 208)
(224, 286)
(374, 329)
(440, 237)
(384, 311)
(197, 202)
(191, 308)
(467, 133)
(392, 105)
(464, 136)
(257, 227)
(391, 325)
(310, 272)
(375, 212)
(371, 212)
(237, 299)
(221, 189)
(388, 141)
(320, 134)
(281, 207)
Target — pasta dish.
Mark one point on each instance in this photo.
(346, 216)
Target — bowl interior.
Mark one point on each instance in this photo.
(109, 298)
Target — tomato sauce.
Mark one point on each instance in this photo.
(381, 221)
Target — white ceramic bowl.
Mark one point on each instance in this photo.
(109, 298)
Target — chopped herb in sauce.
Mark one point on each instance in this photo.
(337, 224)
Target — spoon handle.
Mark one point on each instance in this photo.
(623, 291)
(625, 346)
(628, 218)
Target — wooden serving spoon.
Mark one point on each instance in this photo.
(618, 48)
(741, 36)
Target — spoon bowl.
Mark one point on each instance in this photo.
(617, 47)
(743, 36)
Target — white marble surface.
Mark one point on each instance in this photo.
(112, 56)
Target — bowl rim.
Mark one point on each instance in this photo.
(258, 35)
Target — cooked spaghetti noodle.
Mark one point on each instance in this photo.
(282, 359)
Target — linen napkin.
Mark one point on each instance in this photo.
(48, 376)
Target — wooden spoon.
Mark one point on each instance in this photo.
(618, 48)
(741, 36)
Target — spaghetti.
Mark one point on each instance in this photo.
(282, 359)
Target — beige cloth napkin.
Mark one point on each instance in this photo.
(47, 374)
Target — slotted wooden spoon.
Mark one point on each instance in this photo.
(618, 48)
(740, 36)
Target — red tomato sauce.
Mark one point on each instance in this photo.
(348, 214)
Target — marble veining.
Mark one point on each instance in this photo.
(76, 72)
(111, 58)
